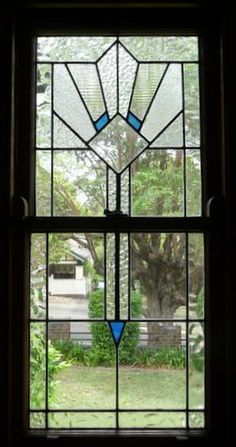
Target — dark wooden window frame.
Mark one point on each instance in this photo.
(23, 23)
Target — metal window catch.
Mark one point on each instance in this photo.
(114, 213)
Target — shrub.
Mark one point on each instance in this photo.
(165, 357)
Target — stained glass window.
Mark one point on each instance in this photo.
(118, 344)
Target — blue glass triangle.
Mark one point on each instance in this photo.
(117, 328)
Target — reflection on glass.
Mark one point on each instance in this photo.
(172, 136)
(81, 420)
(75, 276)
(38, 276)
(63, 137)
(125, 180)
(158, 274)
(43, 183)
(37, 420)
(192, 106)
(107, 67)
(197, 419)
(196, 365)
(158, 183)
(127, 70)
(111, 190)
(43, 103)
(37, 385)
(153, 419)
(110, 276)
(193, 183)
(196, 275)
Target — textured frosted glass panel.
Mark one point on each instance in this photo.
(118, 144)
(196, 275)
(108, 71)
(111, 190)
(127, 69)
(83, 385)
(152, 420)
(125, 191)
(64, 137)
(86, 78)
(172, 136)
(43, 104)
(158, 274)
(71, 48)
(110, 275)
(166, 104)
(158, 184)
(162, 48)
(37, 385)
(37, 420)
(38, 276)
(192, 105)
(68, 104)
(71, 275)
(197, 420)
(137, 380)
(193, 182)
(124, 275)
(43, 183)
(81, 420)
(148, 78)
(79, 184)
(196, 366)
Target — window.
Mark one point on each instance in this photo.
(120, 343)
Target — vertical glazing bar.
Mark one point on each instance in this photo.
(117, 387)
(185, 176)
(117, 75)
(46, 341)
(105, 275)
(129, 273)
(117, 276)
(52, 140)
(187, 325)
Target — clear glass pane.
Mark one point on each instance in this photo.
(81, 372)
(43, 183)
(125, 180)
(37, 420)
(196, 365)
(37, 366)
(111, 190)
(64, 137)
(197, 420)
(147, 81)
(162, 48)
(43, 103)
(172, 136)
(71, 48)
(79, 184)
(107, 67)
(155, 366)
(157, 180)
(192, 105)
(38, 276)
(118, 144)
(86, 78)
(196, 276)
(193, 183)
(68, 104)
(127, 70)
(81, 420)
(110, 276)
(76, 274)
(152, 420)
(124, 275)
(166, 104)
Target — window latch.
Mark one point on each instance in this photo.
(114, 213)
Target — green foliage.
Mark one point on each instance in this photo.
(196, 339)
(200, 304)
(162, 358)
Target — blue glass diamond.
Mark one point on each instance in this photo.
(117, 328)
(134, 121)
(102, 121)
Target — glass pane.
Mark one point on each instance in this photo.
(111, 190)
(86, 78)
(166, 104)
(43, 103)
(68, 104)
(38, 276)
(158, 274)
(64, 137)
(196, 276)
(81, 372)
(118, 144)
(81, 420)
(157, 370)
(43, 183)
(76, 274)
(162, 48)
(172, 136)
(37, 420)
(157, 180)
(79, 184)
(107, 67)
(196, 365)
(147, 81)
(197, 420)
(110, 276)
(71, 48)
(124, 275)
(125, 184)
(152, 420)
(37, 366)
(192, 106)
(193, 183)
(127, 70)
